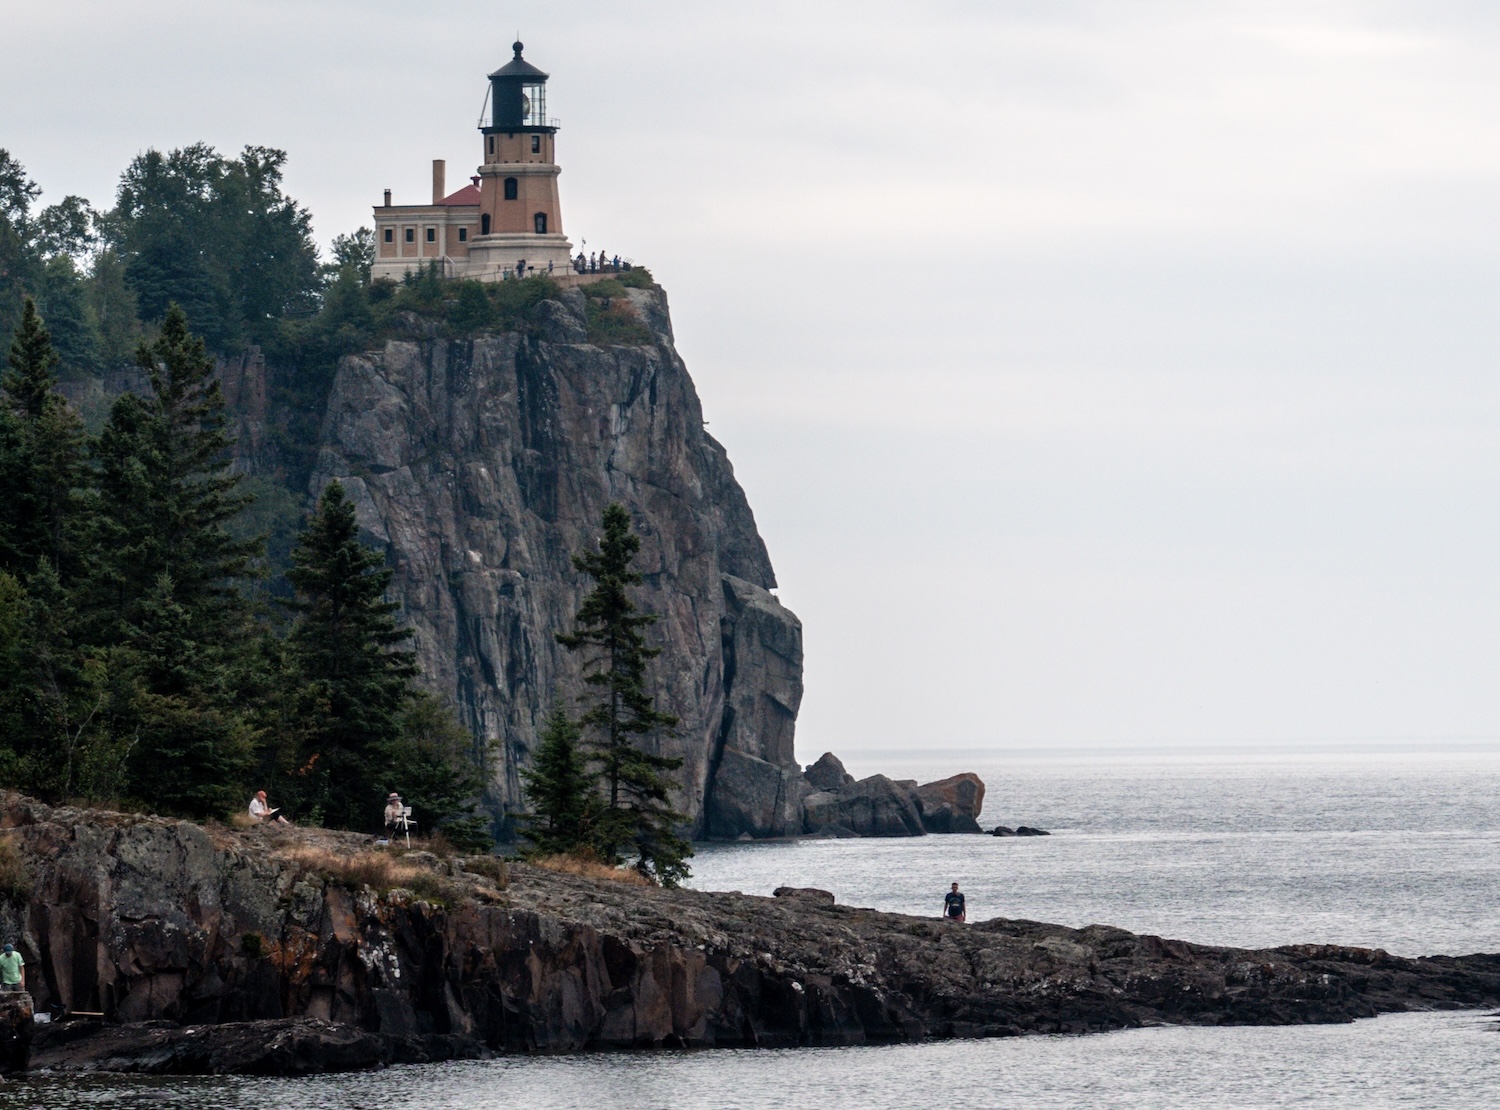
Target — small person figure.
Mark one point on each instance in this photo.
(261, 810)
(12, 970)
(549, 267)
(953, 905)
(393, 809)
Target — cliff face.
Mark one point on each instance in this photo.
(148, 920)
(482, 465)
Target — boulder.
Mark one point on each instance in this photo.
(1026, 830)
(952, 805)
(806, 893)
(754, 797)
(16, 1025)
(1002, 830)
(875, 806)
(828, 773)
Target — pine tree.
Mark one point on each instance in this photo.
(353, 681)
(42, 459)
(638, 813)
(560, 791)
(166, 494)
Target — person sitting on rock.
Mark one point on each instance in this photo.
(953, 905)
(261, 810)
(12, 970)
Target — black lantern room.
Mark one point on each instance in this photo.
(518, 97)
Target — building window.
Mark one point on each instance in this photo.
(484, 224)
(536, 144)
(491, 145)
(390, 236)
(463, 235)
(540, 219)
(411, 235)
(512, 188)
(432, 235)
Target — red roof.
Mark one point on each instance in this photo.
(469, 194)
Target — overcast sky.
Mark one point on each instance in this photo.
(1101, 374)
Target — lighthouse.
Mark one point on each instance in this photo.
(507, 222)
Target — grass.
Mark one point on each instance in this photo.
(15, 878)
(495, 870)
(380, 871)
(612, 318)
(587, 867)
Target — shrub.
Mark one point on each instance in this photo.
(638, 277)
(15, 877)
(493, 869)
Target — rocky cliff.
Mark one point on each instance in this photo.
(299, 950)
(481, 465)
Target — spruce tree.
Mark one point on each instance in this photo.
(166, 495)
(42, 458)
(638, 814)
(560, 791)
(353, 680)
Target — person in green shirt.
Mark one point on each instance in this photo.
(12, 970)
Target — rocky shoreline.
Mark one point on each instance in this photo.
(210, 950)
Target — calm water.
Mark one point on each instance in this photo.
(1396, 851)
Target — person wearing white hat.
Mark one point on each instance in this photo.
(392, 811)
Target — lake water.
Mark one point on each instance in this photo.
(1392, 850)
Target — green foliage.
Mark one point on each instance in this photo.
(637, 277)
(42, 460)
(15, 877)
(564, 806)
(353, 679)
(612, 318)
(166, 495)
(435, 766)
(216, 236)
(354, 252)
(638, 812)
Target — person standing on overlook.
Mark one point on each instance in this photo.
(953, 905)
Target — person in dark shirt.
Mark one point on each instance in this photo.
(953, 904)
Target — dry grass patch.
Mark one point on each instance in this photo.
(587, 867)
(379, 871)
(496, 870)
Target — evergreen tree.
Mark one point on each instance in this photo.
(195, 744)
(42, 460)
(560, 791)
(353, 681)
(440, 773)
(166, 496)
(638, 812)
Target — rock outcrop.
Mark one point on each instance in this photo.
(209, 950)
(482, 465)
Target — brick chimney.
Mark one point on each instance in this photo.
(439, 178)
(387, 198)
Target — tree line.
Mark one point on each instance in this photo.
(145, 661)
(139, 668)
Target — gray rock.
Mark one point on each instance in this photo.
(952, 805)
(875, 806)
(481, 466)
(753, 796)
(806, 893)
(828, 773)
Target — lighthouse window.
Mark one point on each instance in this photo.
(491, 146)
(463, 235)
(484, 224)
(512, 186)
(390, 236)
(432, 235)
(541, 223)
(411, 235)
(536, 144)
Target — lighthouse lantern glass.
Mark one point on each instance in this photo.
(534, 105)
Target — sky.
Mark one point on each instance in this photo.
(1102, 374)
